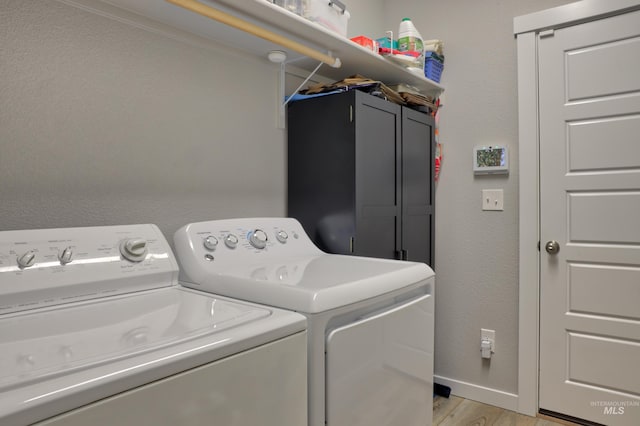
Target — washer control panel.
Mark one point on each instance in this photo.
(47, 267)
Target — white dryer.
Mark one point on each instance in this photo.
(370, 321)
(95, 330)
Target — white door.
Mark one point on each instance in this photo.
(589, 77)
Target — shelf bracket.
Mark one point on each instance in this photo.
(282, 102)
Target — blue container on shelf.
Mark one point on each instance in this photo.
(433, 66)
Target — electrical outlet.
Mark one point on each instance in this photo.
(487, 342)
(493, 199)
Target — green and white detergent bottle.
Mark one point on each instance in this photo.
(409, 39)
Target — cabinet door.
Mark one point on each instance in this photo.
(377, 177)
(321, 169)
(417, 186)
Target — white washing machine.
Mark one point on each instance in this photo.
(370, 321)
(95, 330)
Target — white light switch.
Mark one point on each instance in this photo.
(487, 342)
(492, 199)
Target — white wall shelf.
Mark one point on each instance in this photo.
(355, 58)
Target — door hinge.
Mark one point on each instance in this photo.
(547, 33)
(350, 113)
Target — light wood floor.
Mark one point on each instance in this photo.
(455, 411)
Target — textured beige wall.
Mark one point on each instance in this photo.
(102, 122)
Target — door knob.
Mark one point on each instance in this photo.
(552, 247)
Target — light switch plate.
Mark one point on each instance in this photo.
(493, 199)
(490, 336)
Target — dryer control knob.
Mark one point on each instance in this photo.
(210, 243)
(27, 259)
(258, 238)
(134, 249)
(282, 236)
(65, 256)
(231, 241)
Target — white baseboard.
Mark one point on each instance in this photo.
(498, 398)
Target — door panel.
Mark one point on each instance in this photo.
(590, 203)
(321, 174)
(377, 178)
(417, 186)
(585, 282)
(608, 64)
(585, 351)
(586, 140)
(376, 161)
(590, 212)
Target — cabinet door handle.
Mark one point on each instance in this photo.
(351, 244)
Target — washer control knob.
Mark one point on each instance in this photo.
(65, 255)
(134, 249)
(210, 243)
(231, 241)
(282, 236)
(27, 259)
(258, 238)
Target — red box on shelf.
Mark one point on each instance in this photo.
(366, 42)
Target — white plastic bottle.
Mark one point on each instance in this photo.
(409, 39)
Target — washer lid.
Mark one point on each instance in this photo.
(311, 284)
(53, 360)
(45, 343)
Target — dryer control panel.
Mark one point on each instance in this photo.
(272, 261)
(45, 267)
(260, 249)
(246, 240)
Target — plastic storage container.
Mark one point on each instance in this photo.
(331, 14)
(294, 6)
(433, 66)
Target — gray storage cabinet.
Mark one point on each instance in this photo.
(360, 176)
